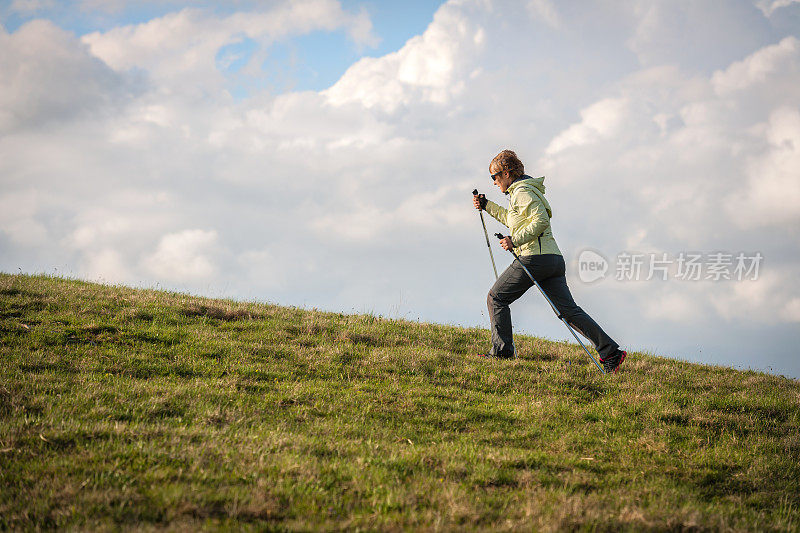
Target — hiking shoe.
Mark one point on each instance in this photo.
(496, 356)
(612, 362)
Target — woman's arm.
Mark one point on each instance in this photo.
(499, 213)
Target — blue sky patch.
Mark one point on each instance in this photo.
(232, 57)
(313, 61)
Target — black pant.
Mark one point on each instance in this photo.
(549, 270)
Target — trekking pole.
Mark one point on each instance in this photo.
(486, 234)
(560, 316)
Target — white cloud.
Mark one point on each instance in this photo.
(702, 36)
(600, 120)
(674, 306)
(771, 197)
(48, 76)
(179, 49)
(764, 301)
(431, 212)
(18, 221)
(106, 265)
(184, 256)
(431, 67)
(759, 69)
(546, 10)
(768, 7)
(123, 216)
(264, 269)
(86, 236)
(792, 310)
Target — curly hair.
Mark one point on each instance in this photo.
(507, 160)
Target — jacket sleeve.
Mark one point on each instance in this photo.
(499, 213)
(532, 210)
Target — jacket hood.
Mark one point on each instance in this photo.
(536, 186)
(536, 182)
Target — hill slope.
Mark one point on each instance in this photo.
(123, 407)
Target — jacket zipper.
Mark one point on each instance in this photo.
(540, 245)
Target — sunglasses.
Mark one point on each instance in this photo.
(494, 176)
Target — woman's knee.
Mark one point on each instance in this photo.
(494, 300)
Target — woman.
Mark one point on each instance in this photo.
(528, 219)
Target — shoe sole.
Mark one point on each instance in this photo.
(621, 359)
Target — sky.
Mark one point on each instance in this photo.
(322, 154)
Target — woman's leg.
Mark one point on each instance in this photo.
(512, 284)
(556, 289)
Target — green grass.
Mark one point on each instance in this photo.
(124, 408)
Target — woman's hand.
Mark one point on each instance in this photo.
(505, 242)
(479, 201)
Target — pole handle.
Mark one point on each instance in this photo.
(482, 200)
(501, 237)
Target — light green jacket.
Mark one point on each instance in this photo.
(528, 217)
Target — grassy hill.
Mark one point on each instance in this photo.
(123, 408)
